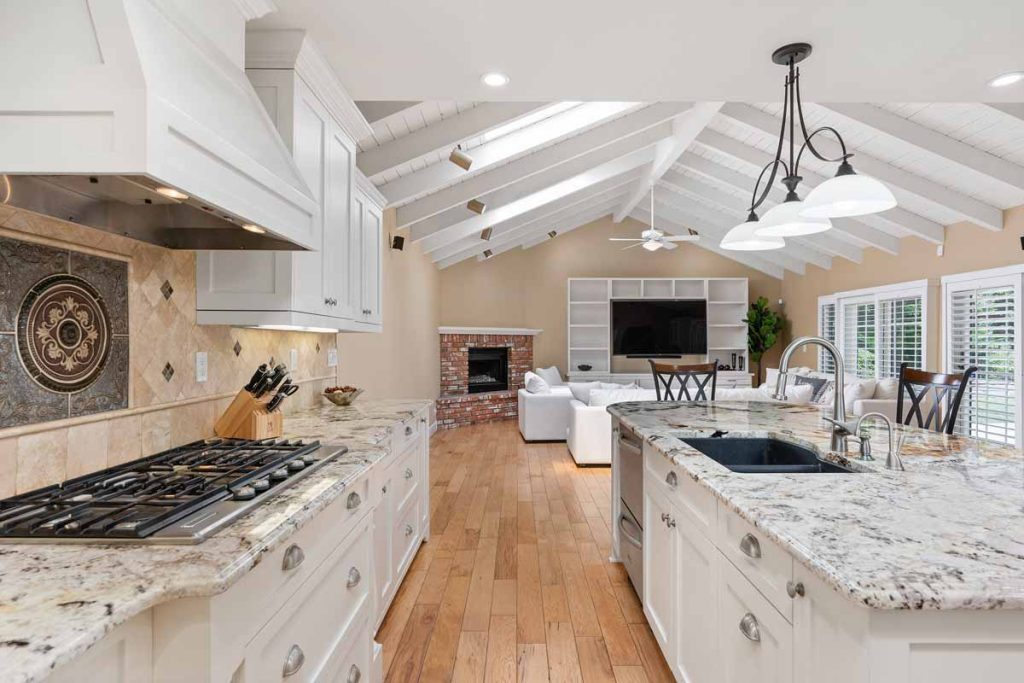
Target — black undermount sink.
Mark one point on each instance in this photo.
(762, 456)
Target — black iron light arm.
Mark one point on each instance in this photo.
(807, 137)
(756, 201)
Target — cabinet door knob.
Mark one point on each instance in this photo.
(750, 546)
(671, 479)
(408, 529)
(293, 557)
(354, 577)
(671, 523)
(354, 675)
(408, 430)
(664, 516)
(408, 473)
(749, 627)
(293, 661)
(353, 501)
(793, 589)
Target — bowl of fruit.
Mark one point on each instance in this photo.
(342, 396)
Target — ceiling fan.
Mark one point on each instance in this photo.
(653, 239)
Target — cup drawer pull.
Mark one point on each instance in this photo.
(750, 546)
(749, 627)
(353, 501)
(408, 473)
(408, 529)
(354, 675)
(354, 577)
(293, 661)
(293, 557)
(672, 479)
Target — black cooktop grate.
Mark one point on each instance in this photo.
(138, 498)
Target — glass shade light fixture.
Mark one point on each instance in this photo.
(847, 194)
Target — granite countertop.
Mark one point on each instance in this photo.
(948, 533)
(56, 600)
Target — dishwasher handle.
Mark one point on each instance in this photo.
(623, 521)
(629, 439)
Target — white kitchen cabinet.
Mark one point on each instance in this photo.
(696, 635)
(125, 655)
(660, 567)
(383, 565)
(754, 642)
(367, 253)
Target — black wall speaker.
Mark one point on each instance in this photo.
(1022, 241)
(398, 242)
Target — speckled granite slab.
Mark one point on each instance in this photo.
(57, 600)
(948, 533)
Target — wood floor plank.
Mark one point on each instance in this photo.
(435, 581)
(529, 600)
(438, 662)
(481, 588)
(506, 567)
(577, 592)
(617, 636)
(409, 656)
(503, 602)
(390, 632)
(629, 674)
(594, 661)
(654, 664)
(563, 661)
(556, 606)
(501, 650)
(532, 663)
(471, 657)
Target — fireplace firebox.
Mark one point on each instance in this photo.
(488, 369)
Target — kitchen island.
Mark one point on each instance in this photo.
(62, 603)
(872, 574)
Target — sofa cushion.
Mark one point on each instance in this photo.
(797, 393)
(606, 397)
(818, 385)
(856, 389)
(887, 388)
(535, 384)
(581, 390)
(550, 375)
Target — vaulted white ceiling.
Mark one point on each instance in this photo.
(543, 167)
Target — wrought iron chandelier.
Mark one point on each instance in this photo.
(845, 194)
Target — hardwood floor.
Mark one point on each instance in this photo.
(515, 583)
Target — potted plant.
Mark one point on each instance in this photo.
(763, 328)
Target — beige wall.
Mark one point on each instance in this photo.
(967, 248)
(404, 360)
(527, 288)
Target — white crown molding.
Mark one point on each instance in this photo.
(370, 190)
(254, 9)
(293, 49)
(508, 331)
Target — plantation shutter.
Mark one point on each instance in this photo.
(858, 342)
(900, 335)
(826, 330)
(981, 324)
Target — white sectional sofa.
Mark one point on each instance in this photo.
(544, 405)
(862, 395)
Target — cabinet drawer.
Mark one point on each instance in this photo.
(407, 475)
(300, 640)
(755, 642)
(405, 537)
(682, 490)
(353, 659)
(406, 432)
(767, 565)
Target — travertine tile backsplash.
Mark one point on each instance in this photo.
(162, 328)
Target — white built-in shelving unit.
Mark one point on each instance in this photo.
(589, 317)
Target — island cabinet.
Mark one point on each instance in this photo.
(727, 604)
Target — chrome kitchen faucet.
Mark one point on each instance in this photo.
(839, 433)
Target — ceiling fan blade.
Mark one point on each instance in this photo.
(681, 238)
(625, 239)
(632, 246)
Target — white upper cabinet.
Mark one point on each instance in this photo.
(329, 286)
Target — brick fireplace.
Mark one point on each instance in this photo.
(470, 397)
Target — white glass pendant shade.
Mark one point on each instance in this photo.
(744, 237)
(850, 194)
(651, 245)
(784, 220)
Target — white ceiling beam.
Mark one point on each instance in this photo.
(756, 160)
(685, 128)
(965, 156)
(900, 182)
(443, 135)
(559, 209)
(757, 262)
(653, 119)
(741, 182)
(569, 122)
(1014, 109)
(603, 173)
(723, 200)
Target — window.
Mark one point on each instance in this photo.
(980, 316)
(875, 329)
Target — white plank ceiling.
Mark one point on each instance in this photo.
(543, 167)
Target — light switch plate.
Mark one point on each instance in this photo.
(202, 366)
(293, 361)
(332, 358)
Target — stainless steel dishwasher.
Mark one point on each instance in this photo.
(631, 518)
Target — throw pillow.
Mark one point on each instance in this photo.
(824, 397)
(607, 397)
(581, 390)
(535, 384)
(550, 375)
(818, 384)
(887, 389)
(795, 393)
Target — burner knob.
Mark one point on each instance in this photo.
(244, 493)
(261, 485)
(279, 474)
(296, 465)
(309, 458)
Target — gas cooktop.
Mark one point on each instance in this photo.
(179, 496)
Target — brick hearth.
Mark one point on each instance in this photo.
(457, 407)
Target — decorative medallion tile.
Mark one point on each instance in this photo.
(237, 348)
(168, 372)
(166, 289)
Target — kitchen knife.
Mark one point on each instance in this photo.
(286, 390)
(270, 382)
(276, 380)
(257, 377)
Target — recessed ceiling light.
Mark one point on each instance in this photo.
(171, 192)
(488, 253)
(460, 158)
(1009, 78)
(253, 228)
(552, 234)
(494, 79)
(476, 206)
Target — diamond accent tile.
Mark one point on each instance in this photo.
(237, 348)
(166, 289)
(168, 372)
(318, 347)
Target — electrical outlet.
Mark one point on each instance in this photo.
(293, 361)
(202, 366)
(332, 358)
(940, 250)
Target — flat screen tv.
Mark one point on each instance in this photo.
(659, 327)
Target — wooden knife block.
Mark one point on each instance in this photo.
(247, 418)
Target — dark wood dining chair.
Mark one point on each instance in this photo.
(674, 382)
(944, 391)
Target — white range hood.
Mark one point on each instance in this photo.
(104, 101)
